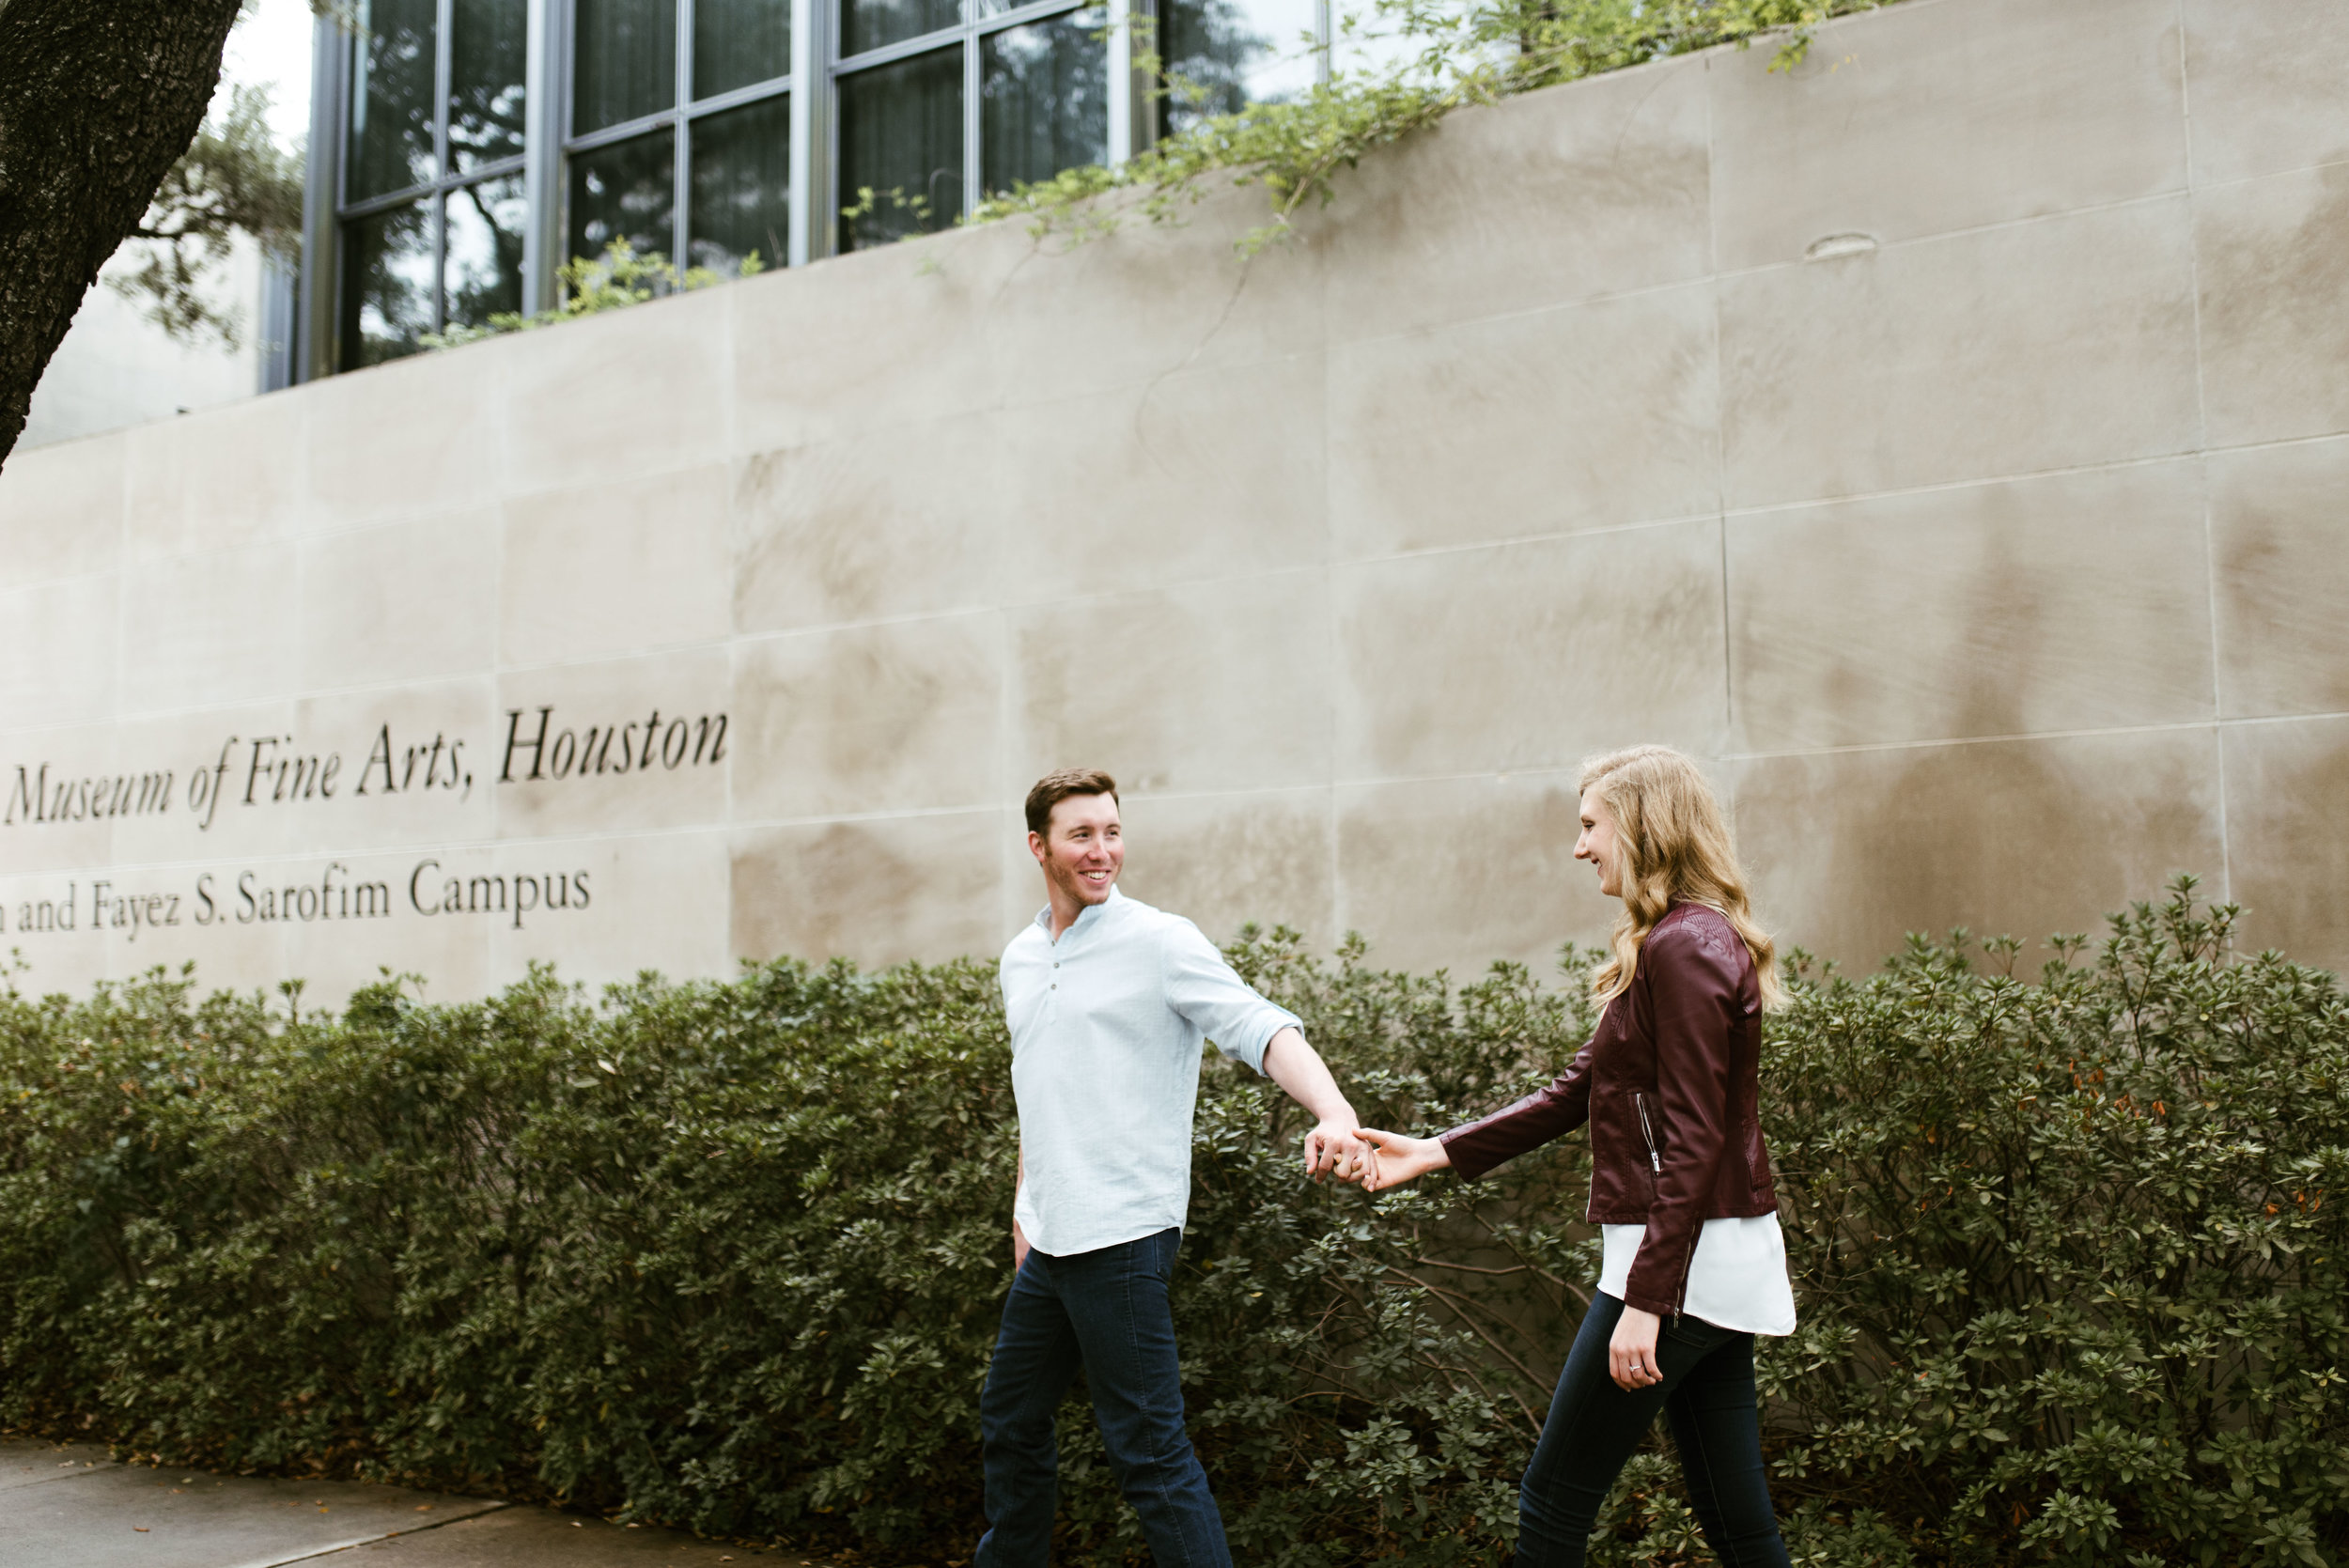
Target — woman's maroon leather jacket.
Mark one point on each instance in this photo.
(1668, 1084)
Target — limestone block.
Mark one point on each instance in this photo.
(879, 889)
(339, 920)
(1151, 301)
(903, 716)
(1217, 686)
(216, 626)
(902, 521)
(2054, 344)
(1599, 186)
(2287, 857)
(228, 475)
(873, 340)
(1179, 479)
(626, 745)
(620, 396)
(619, 567)
(60, 805)
(410, 600)
(1223, 860)
(61, 510)
(418, 436)
(205, 783)
(1457, 873)
(2264, 86)
(2068, 601)
(64, 651)
(418, 764)
(2274, 261)
(2279, 531)
(1586, 416)
(46, 925)
(1852, 851)
(630, 903)
(1937, 118)
(1531, 656)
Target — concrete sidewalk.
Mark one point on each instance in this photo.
(69, 1506)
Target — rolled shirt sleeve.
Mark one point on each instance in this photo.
(1108, 1027)
(1212, 998)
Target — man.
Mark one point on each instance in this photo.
(1109, 1002)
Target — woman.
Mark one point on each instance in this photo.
(1680, 1181)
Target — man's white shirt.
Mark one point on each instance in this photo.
(1107, 1026)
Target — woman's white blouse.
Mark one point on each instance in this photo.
(1736, 1279)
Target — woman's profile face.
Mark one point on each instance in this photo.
(1598, 843)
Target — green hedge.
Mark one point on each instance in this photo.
(2070, 1254)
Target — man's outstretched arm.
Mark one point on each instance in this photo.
(1332, 1146)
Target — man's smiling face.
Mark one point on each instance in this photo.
(1081, 848)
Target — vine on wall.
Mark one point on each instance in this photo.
(1445, 56)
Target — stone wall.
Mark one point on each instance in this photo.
(1948, 442)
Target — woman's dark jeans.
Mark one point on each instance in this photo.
(1104, 1312)
(1706, 1392)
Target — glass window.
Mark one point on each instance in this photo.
(1043, 99)
(488, 44)
(737, 43)
(391, 98)
(627, 61)
(742, 186)
(482, 273)
(387, 285)
(625, 191)
(1365, 40)
(1235, 53)
(901, 138)
(870, 23)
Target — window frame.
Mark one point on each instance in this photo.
(966, 35)
(434, 193)
(678, 120)
(549, 144)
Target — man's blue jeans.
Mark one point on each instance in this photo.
(1105, 1313)
(1706, 1393)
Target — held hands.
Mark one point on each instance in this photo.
(1396, 1160)
(1631, 1353)
(1335, 1148)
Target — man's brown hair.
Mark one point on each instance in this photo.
(1051, 789)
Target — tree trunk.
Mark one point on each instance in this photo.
(97, 99)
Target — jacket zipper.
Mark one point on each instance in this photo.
(1656, 1164)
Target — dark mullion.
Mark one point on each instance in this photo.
(415, 193)
(681, 145)
(1026, 14)
(971, 162)
(735, 98)
(890, 53)
(444, 27)
(624, 132)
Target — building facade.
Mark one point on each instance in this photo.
(1946, 442)
(477, 145)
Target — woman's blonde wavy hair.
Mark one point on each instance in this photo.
(1674, 848)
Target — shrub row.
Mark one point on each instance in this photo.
(2070, 1253)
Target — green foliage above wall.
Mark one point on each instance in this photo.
(2071, 1256)
(1444, 55)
